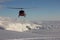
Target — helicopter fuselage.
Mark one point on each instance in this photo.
(22, 13)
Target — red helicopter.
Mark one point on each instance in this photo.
(21, 12)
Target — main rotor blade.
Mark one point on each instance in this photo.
(22, 8)
(15, 8)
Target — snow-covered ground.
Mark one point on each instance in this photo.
(11, 29)
(13, 35)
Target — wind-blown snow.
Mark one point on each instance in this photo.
(15, 25)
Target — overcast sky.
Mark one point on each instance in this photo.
(40, 9)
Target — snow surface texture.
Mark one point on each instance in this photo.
(15, 25)
(11, 35)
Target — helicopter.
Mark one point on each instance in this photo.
(21, 12)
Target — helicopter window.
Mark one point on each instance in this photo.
(21, 12)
